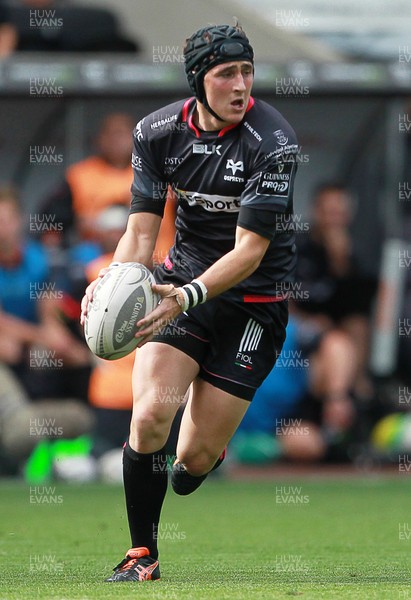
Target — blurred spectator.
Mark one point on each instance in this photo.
(23, 424)
(303, 408)
(95, 183)
(338, 293)
(110, 391)
(405, 341)
(8, 33)
(34, 344)
(34, 341)
(62, 26)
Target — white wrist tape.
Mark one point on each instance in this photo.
(193, 293)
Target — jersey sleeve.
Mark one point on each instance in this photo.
(261, 221)
(149, 187)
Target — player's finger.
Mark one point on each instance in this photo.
(150, 327)
(144, 340)
(148, 332)
(84, 305)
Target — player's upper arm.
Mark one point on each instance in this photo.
(267, 199)
(270, 183)
(149, 187)
(264, 222)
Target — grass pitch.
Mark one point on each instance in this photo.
(229, 540)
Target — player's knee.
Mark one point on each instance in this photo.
(148, 429)
(198, 463)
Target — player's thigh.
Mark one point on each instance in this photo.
(161, 377)
(209, 421)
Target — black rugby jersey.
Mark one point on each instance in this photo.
(241, 175)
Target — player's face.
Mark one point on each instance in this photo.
(228, 88)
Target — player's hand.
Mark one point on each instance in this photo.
(88, 295)
(165, 312)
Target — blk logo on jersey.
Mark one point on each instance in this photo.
(275, 182)
(249, 343)
(206, 149)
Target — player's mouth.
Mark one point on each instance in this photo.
(238, 104)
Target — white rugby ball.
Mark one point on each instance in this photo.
(121, 298)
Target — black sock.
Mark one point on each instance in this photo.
(145, 485)
(183, 483)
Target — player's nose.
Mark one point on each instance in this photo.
(239, 83)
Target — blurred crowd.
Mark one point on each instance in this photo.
(59, 26)
(51, 387)
(65, 413)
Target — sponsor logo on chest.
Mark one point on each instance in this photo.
(207, 149)
(211, 202)
(234, 167)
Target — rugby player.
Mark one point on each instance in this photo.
(230, 160)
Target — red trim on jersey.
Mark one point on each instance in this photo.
(250, 298)
(192, 126)
(186, 106)
(189, 119)
(223, 131)
(229, 127)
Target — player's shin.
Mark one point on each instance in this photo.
(145, 485)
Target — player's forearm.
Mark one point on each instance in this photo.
(230, 269)
(236, 265)
(137, 243)
(134, 249)
(227, 272)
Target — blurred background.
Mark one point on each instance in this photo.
(75, 77)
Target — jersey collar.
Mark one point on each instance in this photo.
(187, 115)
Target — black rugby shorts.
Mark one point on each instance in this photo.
(235, 343)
